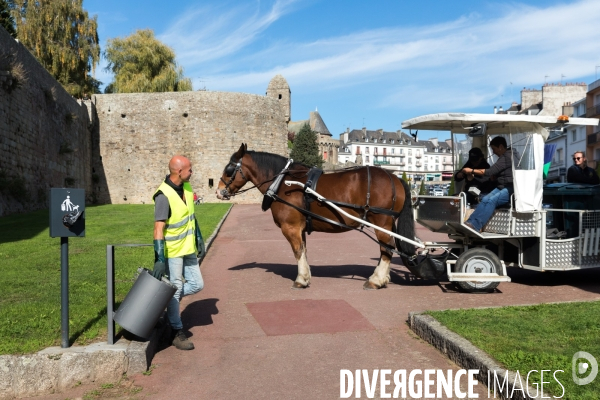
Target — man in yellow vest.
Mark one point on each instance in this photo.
(177, 242)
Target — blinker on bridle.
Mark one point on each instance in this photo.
(230, 171)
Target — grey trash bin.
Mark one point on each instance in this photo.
(144, 304)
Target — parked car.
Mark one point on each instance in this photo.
(438, 192)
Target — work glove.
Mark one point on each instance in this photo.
(160, 266)
(199, 241)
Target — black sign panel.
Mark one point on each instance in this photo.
(67, 212)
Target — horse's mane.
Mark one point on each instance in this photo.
(272, 164)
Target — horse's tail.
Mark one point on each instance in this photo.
(405, 225)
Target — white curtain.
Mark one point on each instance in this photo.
(528, 165)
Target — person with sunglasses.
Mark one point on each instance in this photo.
(579, 172)
(178, 243)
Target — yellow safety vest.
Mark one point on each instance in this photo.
(180, 238)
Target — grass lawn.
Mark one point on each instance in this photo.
(534, 338)
(30, 270)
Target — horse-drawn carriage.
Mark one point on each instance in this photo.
(541, 229)
(302, 200)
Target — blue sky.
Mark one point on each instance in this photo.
(370, 63)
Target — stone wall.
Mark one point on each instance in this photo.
(530, 97)
(555, 96)
(44, 136)
(137, 134)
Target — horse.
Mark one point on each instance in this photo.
(372, 193)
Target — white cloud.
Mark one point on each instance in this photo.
(469, 61)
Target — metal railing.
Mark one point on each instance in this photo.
(592, 111)
(593, 138)
(110, 286)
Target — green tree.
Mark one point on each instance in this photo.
(451, 189)
(404, 176)
(306, 147)
(6, 19)
(63, 38)
(422, 191)
(142, 63)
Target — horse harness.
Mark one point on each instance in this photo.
(312, 179)
(313, 176)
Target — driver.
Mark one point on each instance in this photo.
(501, 173)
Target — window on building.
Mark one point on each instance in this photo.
(410, 152)
(375, 150)
(384, 151)
(574, 135)
(410, 160)
(367, 158)
(401, 151)
(374, 140)
(366, 150)
(559, 155)
(393, 151)
(325, 155)
(367, 140)
(357, 149)
(437, 167)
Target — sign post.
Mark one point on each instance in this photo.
(67, 218)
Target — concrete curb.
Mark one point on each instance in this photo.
(55, 369)
(466, 355)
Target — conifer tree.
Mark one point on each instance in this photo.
(6, 19)
(142, 63)
(63, 38)
(422, 191)
(306, 148)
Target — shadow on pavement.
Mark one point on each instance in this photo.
(348, 271)
(587, 279)
(199, 313)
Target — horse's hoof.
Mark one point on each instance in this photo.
(370, 286)
(297, 285)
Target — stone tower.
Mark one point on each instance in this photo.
(279, 89)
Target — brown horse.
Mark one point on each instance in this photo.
(372, 189)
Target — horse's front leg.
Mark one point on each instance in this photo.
(381, 275)
(297, 239)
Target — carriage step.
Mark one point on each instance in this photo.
(481, 277)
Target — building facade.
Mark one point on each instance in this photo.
(398, 152)
(593, 132)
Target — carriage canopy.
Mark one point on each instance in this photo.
(524, 133)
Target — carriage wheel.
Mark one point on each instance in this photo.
(478, 260)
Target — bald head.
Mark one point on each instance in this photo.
(180, 169)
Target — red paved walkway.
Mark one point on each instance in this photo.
(244, 352)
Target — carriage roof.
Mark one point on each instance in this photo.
(531, 133)
(496, 123)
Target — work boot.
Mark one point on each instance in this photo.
(181, 342)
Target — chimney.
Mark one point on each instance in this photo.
(434, 141)
(495, 110)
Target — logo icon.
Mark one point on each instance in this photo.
(581, 367)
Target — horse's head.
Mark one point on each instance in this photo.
(233, 178)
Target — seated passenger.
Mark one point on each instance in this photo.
(501, 173)
(579, 172)
(476, 161)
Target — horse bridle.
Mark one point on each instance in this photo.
(230, 171)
